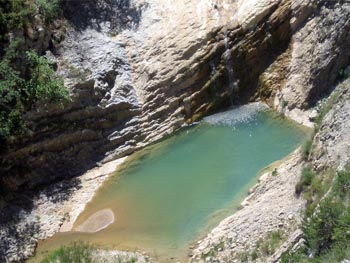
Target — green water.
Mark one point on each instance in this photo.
(169, 194)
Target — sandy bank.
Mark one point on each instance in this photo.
(90, 183)
(97, 221)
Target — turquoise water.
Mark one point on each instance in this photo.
(168, 194)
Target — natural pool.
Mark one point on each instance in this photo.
(167, 195)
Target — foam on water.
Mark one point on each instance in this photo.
(238, 115)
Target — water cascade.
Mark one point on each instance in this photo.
(232, 85)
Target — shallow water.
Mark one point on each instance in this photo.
(167, 195)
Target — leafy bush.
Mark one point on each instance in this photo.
(306, 148)
(22, 90)
(269, 245)
(264, 247)
(296, 257)
(49, 9)
(80, 252)
(14, 14)
(305, 180)
(326, 226)
(25, 77)
(19, 15)
(75, 253)
(319, 228)
(329, 103)
(44, 85)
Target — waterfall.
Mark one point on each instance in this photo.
(232, 86)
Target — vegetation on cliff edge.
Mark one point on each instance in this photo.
(26, 78)
(79, 252)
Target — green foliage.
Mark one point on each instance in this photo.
(15, 13)
(20, 91)
(44, 85)
(264, 247)
(306, 148)
(75, 253)
(326, 226)
(328, 104)
(342, 185)
(244, 256)
(49, 9)
(268, 246)
(319, 228)
(274, 172)
(320, 184)
(296, 257)
(306, 178)
(19, 14)
(214, 250)
(25, 77)
(337, 254)
(79, 252)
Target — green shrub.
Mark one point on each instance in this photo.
(243, 256)
(15, 13)
(264, 247)
(329, 103)
(329, 225)
(44, 84)
(214, 250)
(337, 254)
(274, 172)
(49, 9)
(305, 180)
(269, 245)
(74, 253)
(296, 257)
(23, 90)
(326, 225)
(306, 148)
(319, 228)
(342, 184)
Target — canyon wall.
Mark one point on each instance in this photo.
(166, 64)
(140, 70)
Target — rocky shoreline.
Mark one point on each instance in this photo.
(51, 216)
(271, 206)
(168, 67)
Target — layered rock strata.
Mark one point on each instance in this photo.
(160, 65)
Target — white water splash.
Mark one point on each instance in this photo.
(238, 115)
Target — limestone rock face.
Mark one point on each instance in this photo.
(250, 12)
(133, 81)
(331, 145)
(138, 70)
(319, 50)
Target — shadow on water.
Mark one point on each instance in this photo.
(121, 14)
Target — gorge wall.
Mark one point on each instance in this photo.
(170, 64)
(139, 70)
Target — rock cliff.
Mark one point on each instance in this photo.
(139, 70)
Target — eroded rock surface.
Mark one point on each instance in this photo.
(142, 70)
(331, 145)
